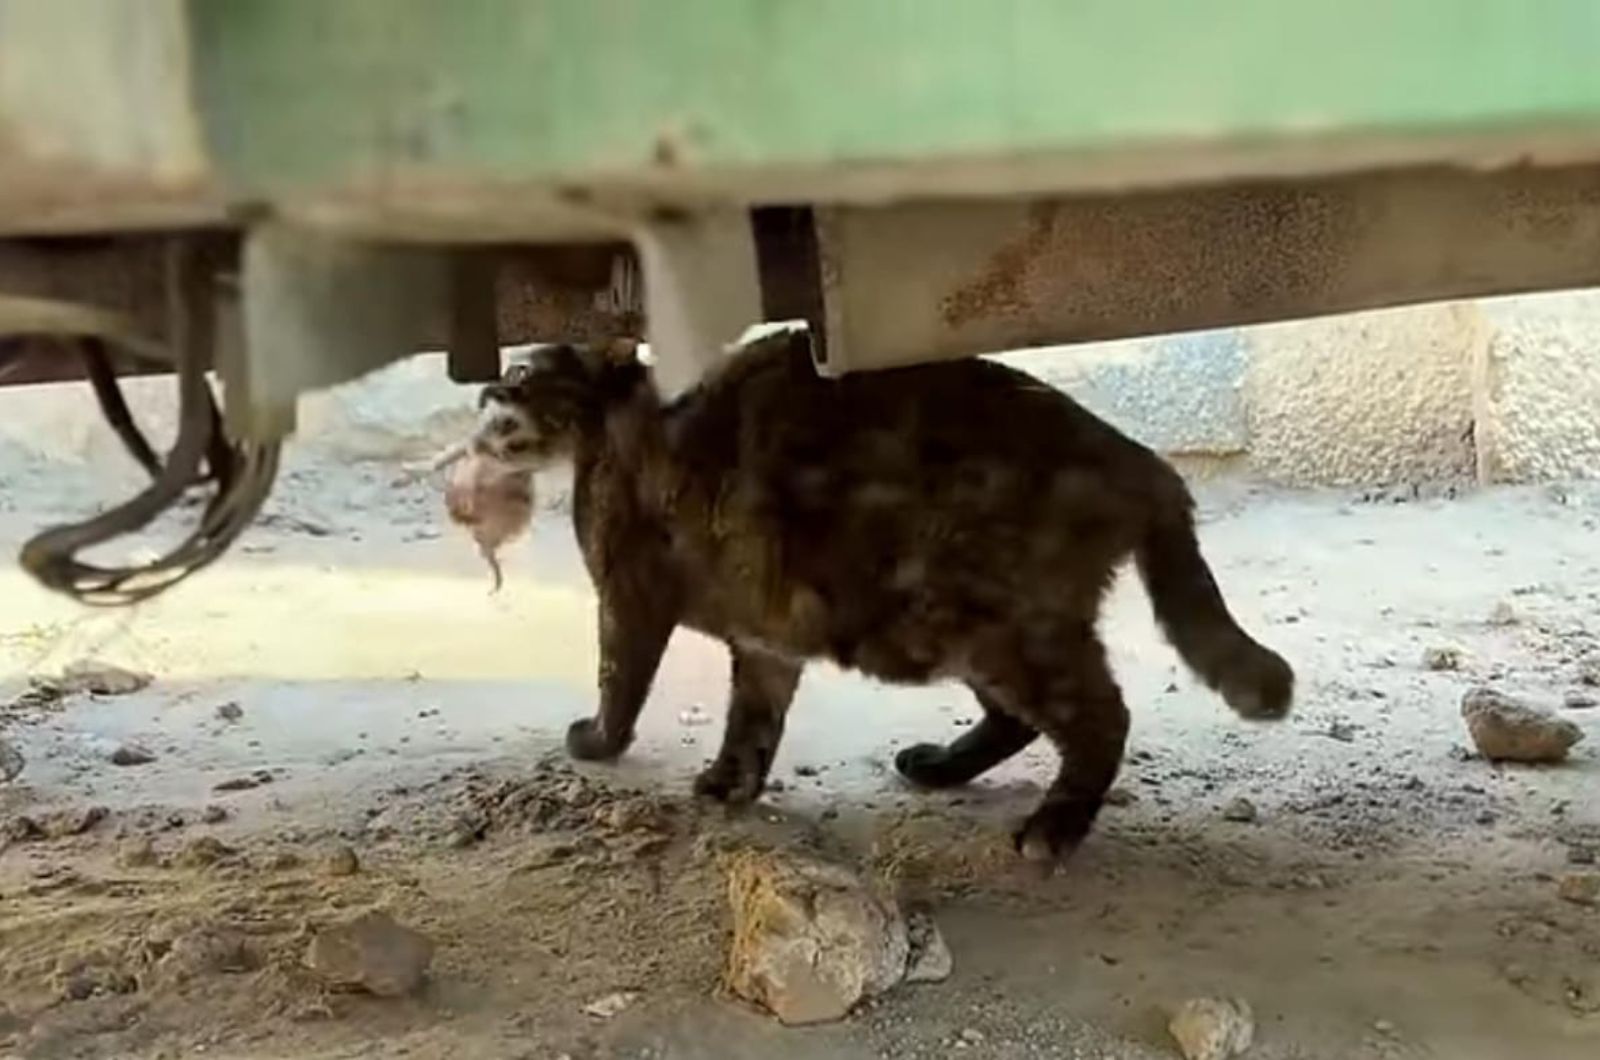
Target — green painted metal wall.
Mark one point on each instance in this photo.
(298, 91)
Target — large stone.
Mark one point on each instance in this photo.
(11, 761)
(103, 679)
(1213, 1028)
(1507, 729)
(373, 953)
(811, 940)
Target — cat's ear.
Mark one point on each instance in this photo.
(602, 358)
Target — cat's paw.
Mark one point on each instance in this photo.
(726, 781)
(1053, 831)
(928, 765)
(587, 741)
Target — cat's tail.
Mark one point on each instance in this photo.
(1255, 681)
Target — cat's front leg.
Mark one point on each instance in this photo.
(634, 630)
(763, 686)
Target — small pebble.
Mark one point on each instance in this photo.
(610, 1006)
(341, 861)
(11, 762)
(136, 853)
(1578, 854)
(1240, 810)
(131, 755)
(1580, 888)
(283, 860)
(101, 679)
(229, 711)
(1120, 797)
(214, 814)
(1442, 657)
(203, 851)
(1576, 700)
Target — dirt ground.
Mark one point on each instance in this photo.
(1393, 897)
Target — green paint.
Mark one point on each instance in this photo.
(306, 91)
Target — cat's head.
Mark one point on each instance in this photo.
(541, 408)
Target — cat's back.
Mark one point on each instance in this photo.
(767, 410)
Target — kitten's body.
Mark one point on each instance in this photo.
(957, 520)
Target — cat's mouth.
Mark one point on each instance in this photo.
(505, 436)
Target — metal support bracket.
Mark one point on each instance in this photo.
(319, 311)
(702, 291)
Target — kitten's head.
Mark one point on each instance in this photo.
(541, 408)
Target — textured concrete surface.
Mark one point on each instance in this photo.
(1180, 394)
(1499, 391)
(1539, 388)
(1364, 399)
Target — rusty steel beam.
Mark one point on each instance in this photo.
(941, 279)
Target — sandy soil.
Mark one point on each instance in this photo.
(1394, 896)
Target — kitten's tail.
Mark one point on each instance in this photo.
(1255, 681)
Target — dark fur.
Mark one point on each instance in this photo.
(957, 520)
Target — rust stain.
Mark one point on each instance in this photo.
(998, 288)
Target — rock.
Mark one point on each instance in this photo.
(1209, 1028)
(136, 853)
(236, 784)
(1580, 888)
(1119, 797)
(1442, 657)
(103, 679)
(630, 815)
(1503, 614)
(810, 939)
(1576, 700)
(1241, 810)
(20, 829)
(206, 951)
(1506, 729)
(611, 1005)
(930, 960)
(130, 754)
(75, 821)
(1589, 670)
(213, 814)
(11, 762)
(283, 861)
(229, 711)
(1579, 854)
(374, 953)
(341, 861)
(203, 852)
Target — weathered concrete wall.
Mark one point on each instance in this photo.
(1538, 400)
(1507, 390)
(1368, 398)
